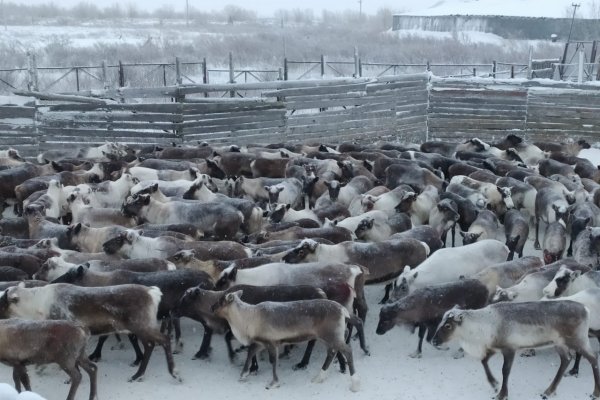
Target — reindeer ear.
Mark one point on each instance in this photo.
(80, 271)
(129, 236)
(77, 228)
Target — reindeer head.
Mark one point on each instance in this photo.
(302, 252)
(446, 329)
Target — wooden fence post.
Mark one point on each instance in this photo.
(280, 74)
(286, 70)
(530, 63)
(474, 71)
(77, 78)
(164, 68)
(205, 74)
(231, 74)
(428, 68)
(512, 71)
(356, 69)
(580, 67)
(121, 74)
(360, 73)
(178, 78)
(32, 83)
(494, 69)
(104, 76)
(322, 66)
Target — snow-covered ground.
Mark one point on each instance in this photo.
(521, 8)
(388, 374)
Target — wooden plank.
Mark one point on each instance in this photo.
(323, 89)
(231, 128)
(118, 125)
(271, 113)
(232, 118)
(137, 107)
(47, 131)
(113, 116)
(322, 119)
(193, 108)
(16, 112)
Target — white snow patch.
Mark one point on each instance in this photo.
(593, 155)
(518, 8)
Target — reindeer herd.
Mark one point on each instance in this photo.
(276, 245)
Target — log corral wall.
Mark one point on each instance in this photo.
(411, 108)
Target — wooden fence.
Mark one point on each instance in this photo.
(410, 108)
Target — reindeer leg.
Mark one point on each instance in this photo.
(386, 297)
(252, 350)
(97, 353)
(488, 373)
(273, 358)
(306, 358)
(563, 352)
(75, 376)
(509, 357)
(204, 351)
(417, 354)
(536, 245)
(136, 348)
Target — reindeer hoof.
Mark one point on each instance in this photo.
(528, 353)
(244, 377)
(136, 379)
(355, 385)
(416, 354)
(459, 354)
(319, 378)
(572, 372)
(537, 246)
(93, 358)
(272, 385)
(176, 376)
(299, 366)
(118, 346)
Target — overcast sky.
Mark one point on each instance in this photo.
(264, 7)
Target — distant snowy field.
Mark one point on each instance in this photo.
(388, 374)
(521, 8)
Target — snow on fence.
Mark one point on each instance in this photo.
(411, 108)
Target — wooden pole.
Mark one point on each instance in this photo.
(205, 74)
(494, 69)
(178, 79)
(280, 74)
(104, 75)
(580, 67)
(512, 71)
(474, 71)
(32, 83)
(77, 78)
(356, 70)
(530, 63)
(231, 74)
(322, 66)
(428, 68)
(286, 70)
(360, 73)
(121, 75)
(204, 71)
(164, 68)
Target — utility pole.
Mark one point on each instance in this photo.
(574, 5)
(187, 12)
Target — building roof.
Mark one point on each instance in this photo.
(515, 8)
